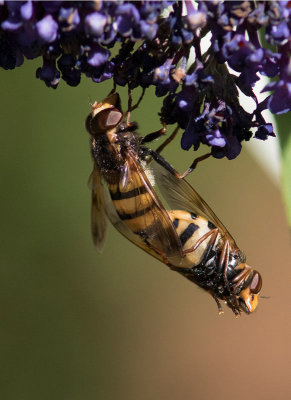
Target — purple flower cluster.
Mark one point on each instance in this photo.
(73, 37)
(155, 42)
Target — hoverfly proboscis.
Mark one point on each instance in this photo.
(188, 237)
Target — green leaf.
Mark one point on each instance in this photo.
(284, 129)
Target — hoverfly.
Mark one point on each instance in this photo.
(188, 238)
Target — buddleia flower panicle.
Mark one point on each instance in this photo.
(151, 43)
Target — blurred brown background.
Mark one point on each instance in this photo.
(76, 325)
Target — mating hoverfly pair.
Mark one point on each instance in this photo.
(188, 238)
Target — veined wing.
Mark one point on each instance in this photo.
(180, 195)
(98, 216)
(135, 210)
(125, 230)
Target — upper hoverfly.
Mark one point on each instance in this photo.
(188, 238)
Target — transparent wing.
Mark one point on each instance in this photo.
(124, 229)
(159, 237)
(98, 215)
(180, 195)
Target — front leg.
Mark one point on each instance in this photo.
(154, 135)
(160, 160)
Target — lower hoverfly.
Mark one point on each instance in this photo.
(188, 238)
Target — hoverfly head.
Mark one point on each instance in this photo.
(249, 296)
(105, 115)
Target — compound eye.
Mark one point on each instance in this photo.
(109, 118)
(104, 120)
(256, 283)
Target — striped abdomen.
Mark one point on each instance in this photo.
(190, 228)
(134, 204)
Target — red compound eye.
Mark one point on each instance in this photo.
(109, 118)
(104, 120)
(256, 283)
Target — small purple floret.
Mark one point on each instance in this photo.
(47, 29)
(95, 23)
(97, 56)
(26, 10)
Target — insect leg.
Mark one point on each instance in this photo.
(224, 259)
(235, 308)
(194, 165)
(220, 310)
(210, 246)
(242, 276)
(158, 251)
(130, 106)
(154, 135)
(168, 140)
(213, 234)
(160, 160)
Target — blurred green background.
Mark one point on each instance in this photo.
(76, 325)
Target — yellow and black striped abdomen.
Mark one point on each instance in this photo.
(190, 228)
(134, 204)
